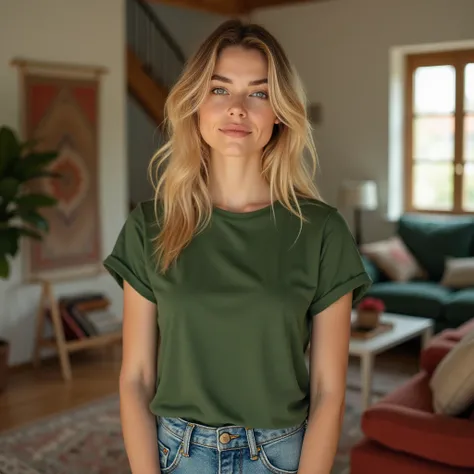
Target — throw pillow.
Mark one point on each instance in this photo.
(458, 273)
(393, 258)
(433, 238)
(452, 383)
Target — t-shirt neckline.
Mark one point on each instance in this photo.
(245, 215)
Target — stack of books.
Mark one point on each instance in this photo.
(87, 315)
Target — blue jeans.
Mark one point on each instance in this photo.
(188, 448)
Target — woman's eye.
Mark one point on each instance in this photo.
(219, 91)
(222, 91)
(260, 95)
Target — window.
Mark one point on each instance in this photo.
(439, 132)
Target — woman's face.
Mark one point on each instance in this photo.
(236, 118)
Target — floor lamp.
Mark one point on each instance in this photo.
(360, 196)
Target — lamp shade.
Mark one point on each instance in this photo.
(359, 194)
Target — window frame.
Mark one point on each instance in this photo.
(458, 59)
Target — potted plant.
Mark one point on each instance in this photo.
(19, 208)
(369, 311)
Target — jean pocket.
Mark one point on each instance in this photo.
(164, 454)
(169, 447)
(282, 456)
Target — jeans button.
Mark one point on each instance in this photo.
(224, 438)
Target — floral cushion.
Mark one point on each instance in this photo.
(394, 259)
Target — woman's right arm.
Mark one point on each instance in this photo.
(137, 382)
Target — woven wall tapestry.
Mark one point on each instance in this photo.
(60, 108)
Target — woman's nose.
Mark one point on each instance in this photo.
(237, 109)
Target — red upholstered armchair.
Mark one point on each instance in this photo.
(404, 435)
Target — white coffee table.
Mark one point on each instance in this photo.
(404, 328)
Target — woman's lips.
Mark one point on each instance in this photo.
(230, 132)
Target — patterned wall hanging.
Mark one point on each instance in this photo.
(60, 108)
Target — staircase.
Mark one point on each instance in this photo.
(154, 60)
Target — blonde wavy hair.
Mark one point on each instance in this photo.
(179, 170)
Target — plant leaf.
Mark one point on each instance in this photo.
(39, 160)
(29, 233)
(8, 188)
(9, 148)
(43, 174)
(36, 219)
(9, 241)
(33, 164)
(4, 267)
(35, 200)
(29, 144)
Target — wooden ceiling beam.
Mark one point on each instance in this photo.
(250, 5)
(222, 7)
(231, 7)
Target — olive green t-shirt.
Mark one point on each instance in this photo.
(235, 312)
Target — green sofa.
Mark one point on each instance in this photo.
(431, 239)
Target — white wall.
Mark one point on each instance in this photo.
(341, 49)
(189, 28)
(85, 31)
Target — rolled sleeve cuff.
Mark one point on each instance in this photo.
(359, 284)
(120, 272)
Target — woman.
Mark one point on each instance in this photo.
(228, 267)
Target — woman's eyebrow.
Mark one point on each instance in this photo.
(218, 77)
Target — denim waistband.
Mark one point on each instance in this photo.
(226, 437)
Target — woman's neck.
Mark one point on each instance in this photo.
(236, 183)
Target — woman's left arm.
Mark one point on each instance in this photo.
(328, 368)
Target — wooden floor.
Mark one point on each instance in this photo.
(35, 393)
(32, 394)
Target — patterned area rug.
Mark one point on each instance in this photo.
(88, 440)
(85, 440)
